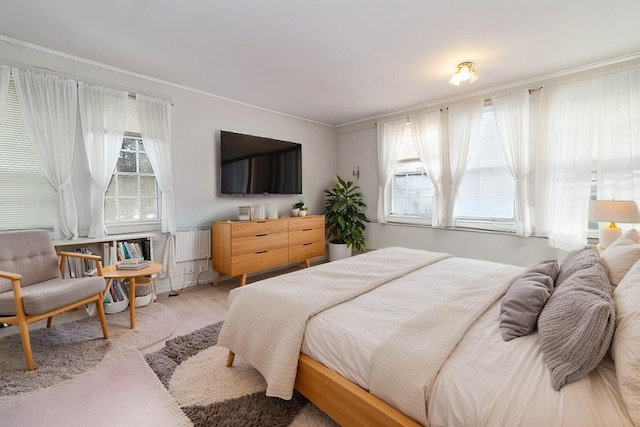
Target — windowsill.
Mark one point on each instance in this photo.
(494, 227)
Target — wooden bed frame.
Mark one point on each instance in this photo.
(344, 401)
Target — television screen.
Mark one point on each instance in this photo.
(257, 165)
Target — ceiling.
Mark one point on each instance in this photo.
(331, 61)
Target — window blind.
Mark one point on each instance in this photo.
(27, 199)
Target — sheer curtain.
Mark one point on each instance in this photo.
(156, 123)
(103, 114)
(427, 134)
(464, 126)
(618, 135)
(567, 141)
(390, 134)
(49, 105)
(512, 119)
(5, 71)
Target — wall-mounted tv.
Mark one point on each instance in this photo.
(258, 165)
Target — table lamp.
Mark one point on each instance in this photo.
(624, 211)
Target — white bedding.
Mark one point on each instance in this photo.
(486, 381)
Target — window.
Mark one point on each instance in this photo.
(486, 193)
(27, 199)
(133, 193)
(412, 190)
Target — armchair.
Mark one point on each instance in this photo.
(33, 287)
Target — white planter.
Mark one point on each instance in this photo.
(295, 212)
(339, 251)
(302, 213)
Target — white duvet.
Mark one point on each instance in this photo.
(486, 381)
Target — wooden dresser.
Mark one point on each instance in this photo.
(241, 247)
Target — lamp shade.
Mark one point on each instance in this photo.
(612, 211)
(625, 211)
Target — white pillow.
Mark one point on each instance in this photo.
(621, 255)
(625, 346)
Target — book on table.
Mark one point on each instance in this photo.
(132, 266)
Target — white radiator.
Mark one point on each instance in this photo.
(192, 245)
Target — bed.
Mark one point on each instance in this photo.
(408, 337)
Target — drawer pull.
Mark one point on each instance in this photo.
(307, 229)
(307, 244)
(262, 252)
(261, 235)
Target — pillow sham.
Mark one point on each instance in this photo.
(576, 325)
(625, 347)
(525, 299)
(576, 261)
(620, 256)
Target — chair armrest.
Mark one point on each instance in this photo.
(81, 255)
(97, 258)
(10, 276)
(15, 283)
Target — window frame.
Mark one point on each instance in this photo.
(115, 181)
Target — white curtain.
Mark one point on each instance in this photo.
(618, 135)
(156, 124)
(103, 114)
(567, 141)
(49, 105)
(464, 128)
(427, 135)
(390, 135)
(5, 72)
(512, 119)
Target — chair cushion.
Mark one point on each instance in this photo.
(29, 253)
(43, 297)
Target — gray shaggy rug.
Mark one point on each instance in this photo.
(193, 370)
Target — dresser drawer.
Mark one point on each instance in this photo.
(260, 260)
(306, 222)
(253, 228)
(260, 242)
(307, 251)
(301, 237)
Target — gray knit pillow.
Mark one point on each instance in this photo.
(525, 299)
(576, 325)
(577, 260)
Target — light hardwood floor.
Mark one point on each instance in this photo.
(195, 306)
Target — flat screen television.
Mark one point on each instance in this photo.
(258, 165)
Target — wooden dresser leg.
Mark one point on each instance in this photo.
(243, 279)
(230, 358)
(217, 279)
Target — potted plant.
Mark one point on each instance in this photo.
(344, 219)
(295, 208)
(303, 211)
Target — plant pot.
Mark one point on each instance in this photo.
(295, 212)
(339, 251)
(302, 213)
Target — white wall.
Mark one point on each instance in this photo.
(198, 118)
(357, 146)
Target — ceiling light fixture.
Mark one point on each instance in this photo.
(464, 72)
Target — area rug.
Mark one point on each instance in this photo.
(193, 370)
(66, 350)
(120, 391)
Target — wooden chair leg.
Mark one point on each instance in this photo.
(49, 321)
(103, 318)
(230, 358)
(26, 345)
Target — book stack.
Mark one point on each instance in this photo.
(133, 264)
